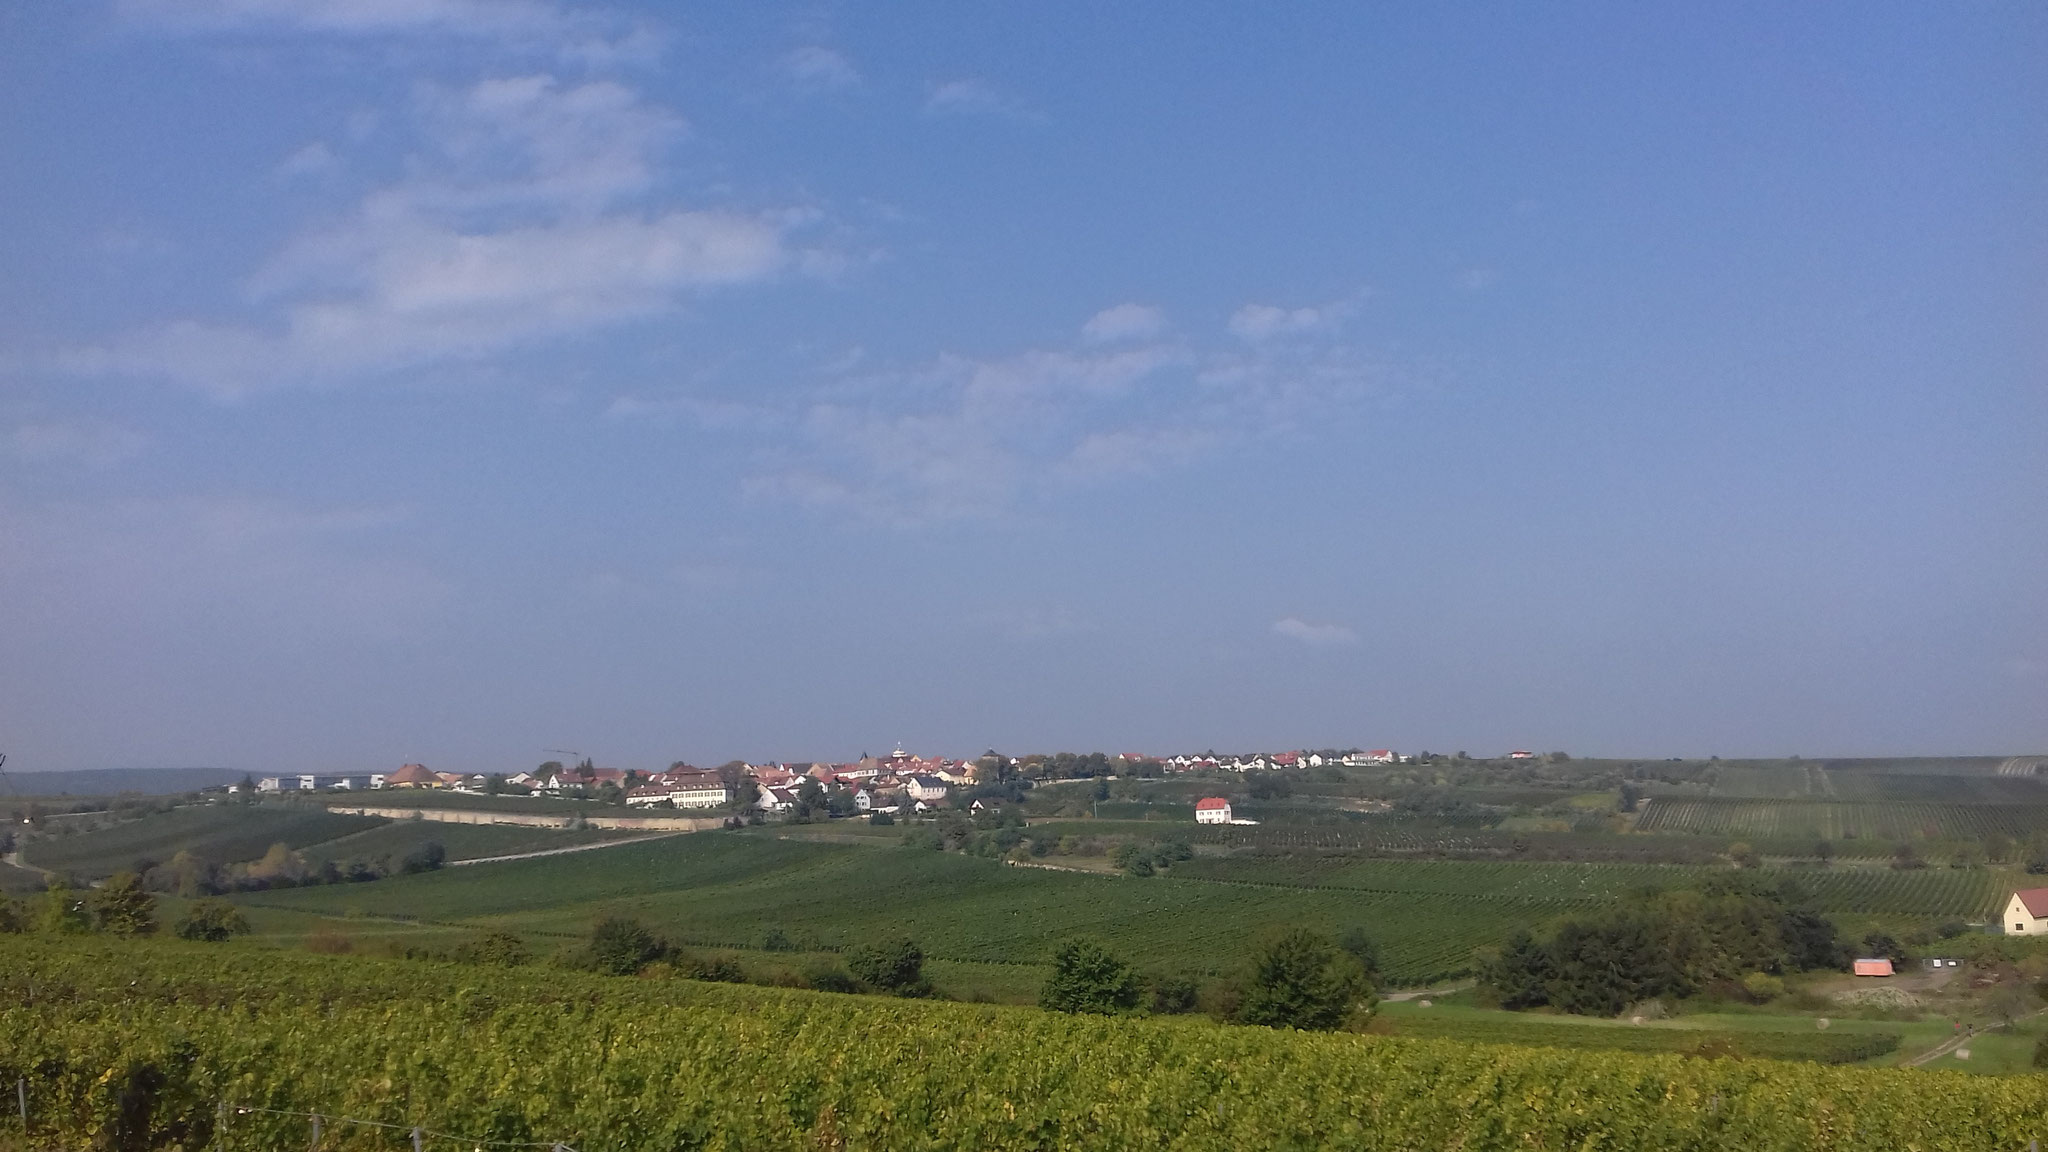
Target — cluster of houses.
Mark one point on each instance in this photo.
(1263, 762)
(878, 783)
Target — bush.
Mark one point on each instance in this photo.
(211, 920)
(501, 949)
(1302, 980)
(827, 979)
(895, 967)
(1173, 995)
(882, 818)
(621, 945)
(1088, 977)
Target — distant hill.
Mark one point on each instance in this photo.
(108, 781)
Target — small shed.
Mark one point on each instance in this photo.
(1880, 966)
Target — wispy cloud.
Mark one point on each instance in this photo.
(527, 217)
(1314, 635)
(1265, 322)
(970, 438)
(1124, 322)
(977, 97)
(85, 444)
(586, 34)
(816, 68)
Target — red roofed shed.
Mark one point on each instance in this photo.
(1880, 966)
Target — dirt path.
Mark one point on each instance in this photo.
(565, 851)
(14, 858)
(1954, 1042)
(1425, 993)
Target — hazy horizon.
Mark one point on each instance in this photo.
(455, 381)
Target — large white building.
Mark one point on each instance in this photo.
(1212, 810)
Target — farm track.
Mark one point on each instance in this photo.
(565, 851)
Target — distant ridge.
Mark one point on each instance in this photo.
(108, 781)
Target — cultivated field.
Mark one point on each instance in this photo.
(128, 1043)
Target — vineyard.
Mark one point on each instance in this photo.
(162, 1044)
(1922, 893)
(1496, 1028)
(717, 889)
(1890, 822)
(219, 834)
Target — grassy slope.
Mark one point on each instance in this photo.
(463, 841)
(721, 889)
(221, 833)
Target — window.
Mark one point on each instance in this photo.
(2019, 927)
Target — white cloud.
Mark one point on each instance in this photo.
(89, 445)
(971, 438)
(1314, 635)
(582, 34)
(1124, 322)
(521, 222)
(975, 97)
(314, 160)
(815, 68)
(1264, 321)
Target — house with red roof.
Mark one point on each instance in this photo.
(414, 776)
(2026, 914)
(1212, 810)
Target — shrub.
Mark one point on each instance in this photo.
(211, 920)
(621, 945)
(1088, 977)
(896, 967)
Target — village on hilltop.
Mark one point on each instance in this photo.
(888, 783)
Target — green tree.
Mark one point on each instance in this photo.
(1088, 977)
(121, 906)
(622, 945)
(1302, 980)
(63, 912)
(1362, 948)
(14, 917)
(1173, 993)
(895, 966)
(211, 920)
(1824, 851)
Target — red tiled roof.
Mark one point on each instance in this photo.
(2036, 900)
(1211, 804)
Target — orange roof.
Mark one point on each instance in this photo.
(414, 774)
(2036, 900)
(1211, 803)
(1878, 967)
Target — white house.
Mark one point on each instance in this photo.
(1212, 810)
(2026, 914)
(776, 800)
(927, 788)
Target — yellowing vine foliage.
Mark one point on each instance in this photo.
(138, 1044)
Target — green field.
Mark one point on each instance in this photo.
(1889, 821)
(395, 838)
(1854, 1041)
(1929, 893)
(725, 889)
(217, 833)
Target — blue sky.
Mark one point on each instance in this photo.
(445, 380)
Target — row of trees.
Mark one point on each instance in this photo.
(190, 876)
(1725, 935)
(119, 907)
(1300, 979)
